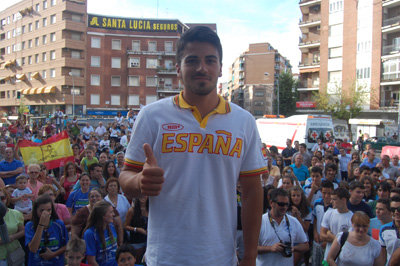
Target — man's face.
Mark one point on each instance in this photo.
(365, 173)
(395, 159)
(200, 68)
(299, 159)
(326, 195)
(356, 195)
(97, 173)
(9, 154)
(120, 158)
(396, 214)
(280, 206)
(342, 152)
(302, 149)
(288, 143)
(385, 161)
(381, 211)
(316, 178)
(337, 202)
(3, 147)
(375, 176)
(330, 174)
(371, 155)
(382, 194)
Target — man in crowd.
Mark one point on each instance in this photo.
(300, 170)
(388, 170)
(58, 116)
(388, 235)
(306, 155)
(330, 174)
(344, 160)
(395, 161)
(371, 160)
(280, 233)
(356, 202)
(383, 216)
(203, 228)
(288, 152)
(10, 168)
(87, 131)
(100, 130)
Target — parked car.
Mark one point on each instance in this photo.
(378, 143)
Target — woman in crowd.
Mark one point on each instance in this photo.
(103, 159)
(291, 179)
(110, 170)
(279, 163)
(112, 147)
(69, 179)
(76, 149)
(14, 222)
(27, 133)
(136, 224)
(46, 178)
(117, 200)
(33, 183)
(369, 192)
(100, 235)
(45, 236)
(61, 210)
(80, 197)
(359, 248)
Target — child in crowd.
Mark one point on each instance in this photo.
(125, 255)
(89, 159)
(21, 196)
(75, 252)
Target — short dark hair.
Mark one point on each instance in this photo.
(385, 186)
(275, 193)
(123, 249)
(198, 34)
(273, 149)
(356, 184)
(316, 169)
(331, 166)
(395, 199)
(375, 170)
(94, 165)
(327, 184)
(341, 193)
(363, 168)
(303, 145)
(385, 202)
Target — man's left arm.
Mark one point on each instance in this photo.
(252, 203)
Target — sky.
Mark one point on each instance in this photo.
(239, 23)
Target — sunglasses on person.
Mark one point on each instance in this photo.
(392, 209)
(282, 204)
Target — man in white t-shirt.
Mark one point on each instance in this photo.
(281, 234)
(336, 220)
(389, 233)
(187, 154)
(100, 130)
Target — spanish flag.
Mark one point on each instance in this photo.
(53, 152)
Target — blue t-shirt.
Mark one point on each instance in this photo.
(370, 165)
(301, 173)
(104, 257)
(362, 206)
(10, 166)
(54, 238)
(93, 183)
(77, 200)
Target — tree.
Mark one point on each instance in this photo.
(341, 104)
(288, 94)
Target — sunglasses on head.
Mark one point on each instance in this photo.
(282, 204)
(392, 209)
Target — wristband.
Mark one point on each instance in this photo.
(134, 229)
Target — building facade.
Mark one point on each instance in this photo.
(254, 76)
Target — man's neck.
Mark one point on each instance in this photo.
(386, 220)
(204, 103)
(354, 202)
(343, 209)
(277, 218)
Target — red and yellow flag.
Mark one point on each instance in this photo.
(53, 152)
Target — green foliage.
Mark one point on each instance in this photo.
(288, 95)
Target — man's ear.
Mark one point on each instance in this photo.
(178, 70)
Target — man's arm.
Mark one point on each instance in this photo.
(252, 203)
(383, 256)
(326, 235)
(17, 171)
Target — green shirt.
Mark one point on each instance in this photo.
(13, 219)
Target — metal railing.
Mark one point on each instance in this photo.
(391, 21)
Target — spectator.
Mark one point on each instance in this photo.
(313, 190)
(58, 117)
(80, 197)
(118, 201)
(370, 161)
(383, 216)
(306, 155)
(356, 202)
(383, 192)
(22, 196)
(88, 160)
(34, 184)
(96, 177)
(120, 161)
(87, 131)
(300, 170)
(100, 130)
(110, 170)
(45, 236)
(395, 161)
(288, 152)
(9, 167)
(344, 160)
(388, 170)
(126, 255)
(75, 252)
(388, 235)
(330, 174)
(69, 179)
(369, 192)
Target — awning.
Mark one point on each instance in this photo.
(309, 70)
(36, 75)
(32, 91)
(50, 89)
(369, 122)
(40, 90)
(25, 91)
(21, 76)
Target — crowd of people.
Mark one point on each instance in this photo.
(75, 213)
(338, 206)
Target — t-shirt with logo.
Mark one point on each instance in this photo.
(94, 247)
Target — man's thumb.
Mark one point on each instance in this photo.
(150, 158)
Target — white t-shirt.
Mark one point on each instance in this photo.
(388, 239)
(194, 218)
(25, 205)
(100, 130)
(358, 255)
(336, 222)
(268, 237)
(318, 213)
(87, 130)
(343, 162)
(122, 206)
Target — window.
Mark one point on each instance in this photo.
(95, 99)
(23, 61)
(364, 73)
(37, 7)
(44, 74)
(53, 2)
(334, 76)
(95, 61)
(36, 58)
(168, 46)
(44, 57)
(53, 19)
(335, 6)
(76, 17)
(136, 46)
(30, 60)
(152, 47)
(134, 62)
(44, 22)
(23, 29)
(169, 64)
(30, 44)
(133, 100)
(76, 72)
(53, 37)
(8, 49)
(37, 24)
(44, 4)
(76, 36)
(115, 100)
(95, 80)
(52, 55)
(151, 81)
(133, 81)
(335, 52)
(115, 81)
(44, 39)
(116, 44)
(37, 41)
(336, 30)
(151, 63)
(52, 73)
(30, 27)
(8, 34)
(115, 62)
(168, 83)
(259, 94)
(150, 99)
(95, 42)
(76, 54)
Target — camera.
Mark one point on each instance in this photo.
(287, 249)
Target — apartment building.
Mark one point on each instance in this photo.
(352, 43)
(41, 42)
(254, 78)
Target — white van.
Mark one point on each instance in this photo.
(303, 128)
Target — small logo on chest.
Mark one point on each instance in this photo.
(172, 127)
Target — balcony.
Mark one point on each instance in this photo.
(310, 2)
(389, 103)
(393, 78)
(166, 71)
(312, 21)
(306, 44)
(390, 49)
(161, 53)
(391, 24)
(389, 3)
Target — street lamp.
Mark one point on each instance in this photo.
(277, 94)
(73, 94)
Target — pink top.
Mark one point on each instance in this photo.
(35, 190)
(62, 211)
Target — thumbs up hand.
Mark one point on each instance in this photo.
(152, 176)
